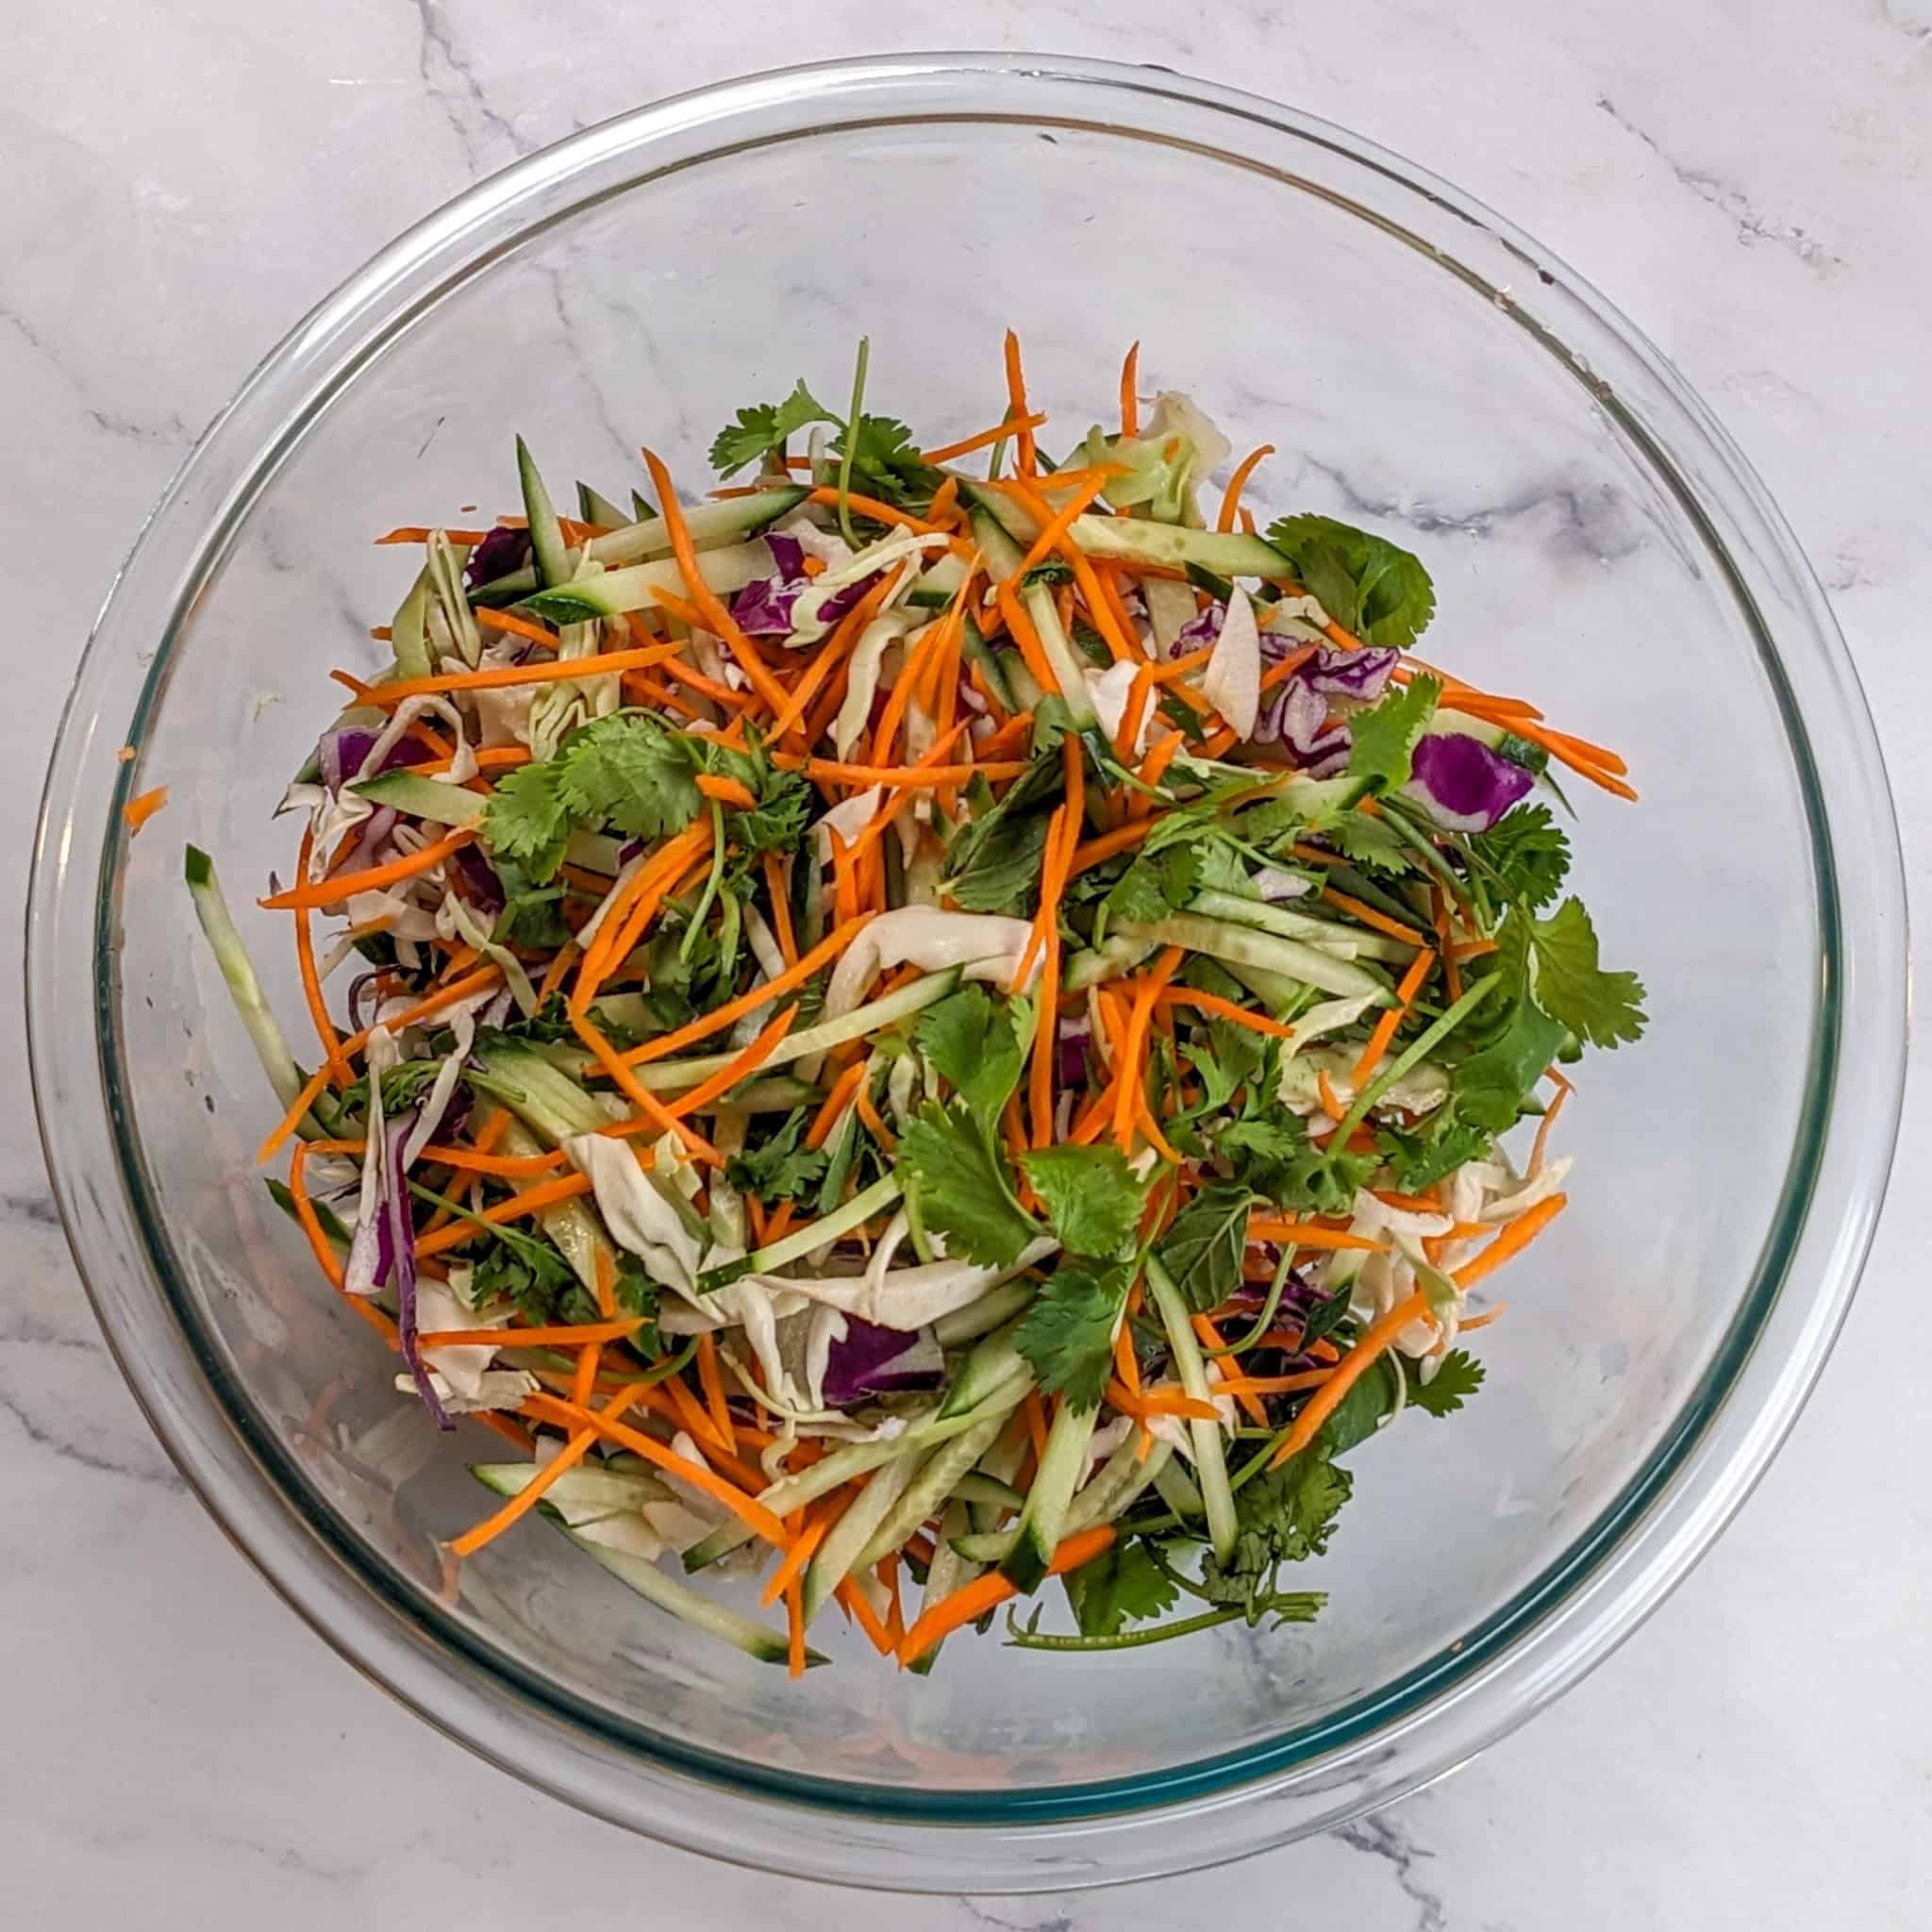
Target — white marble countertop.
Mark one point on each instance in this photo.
(1750, 182)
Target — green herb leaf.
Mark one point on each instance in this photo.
(1458, 1377)
(1527, 854)
(631, 771)
(979, 1044)
(886, 462)
(1385, 737)
(1230, 1056)
(1203, 1250)
(1599, 1007)
(1368, 842)
(763, 427)
(1066, 1331)
(1286, 1515)
(780, 1168)
(1123, 1584)
(1437, 1147)
(1093, 1198)
(965, 1187)
(1365, 583)
(526, 819)
(1490, 1086)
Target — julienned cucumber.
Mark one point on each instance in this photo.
(836, 1557)
(1211, 1462)
(938, 1476)
(828, 1227)
(1140, 540)
(710, 524)
(1331, 935)
(1043, 1519)
(423, 798)
(939, 583)
(1249, 946)
(1003, 558)
(546, 534)
(615, 592)
(684, 1602)
(586, 1487)
(539, 1092)
(1110, 1493)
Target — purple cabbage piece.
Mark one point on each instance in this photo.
(499, 554)
(358, 986)
(395, 1265)
(765, 609)
(369, 837)
(1296, 718)
(339, 754)
(1464, 786)
(1362, 673)
(788, 553)
(1075, 1038)
(871, 1361)
(1204, 627)
(486, 888)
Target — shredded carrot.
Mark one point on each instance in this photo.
(1130, 403)
(1210, 1339)
(1374, 1341)
(512, 626)
(1513, 1239)
(1225, 1009)
(1132, 714)
(853, 1598)
(1385, 1028)
(137, 811)
(1231, 498)
(971, 1601)
(1331, 1104)
(1542, 1133)
(1058, 524)
(1034, 1409)
(1482, 1321)
(711, 1379)
(833, 1104)
(551, 1335)
(1272, 1385)
(877, 513)
(1370, 917)
(1127, 1364)
(731, 791)
(618, 1067)
(1025, 454)
(794, 1628)
(948, 452)
(1134, 1047)
(505, 676)
(372, 878)
(873, 1122)
(531, 1494)
(798, 1556)
(529, 1201)
(1308, 1234)
(742, 1065)
(311, 981)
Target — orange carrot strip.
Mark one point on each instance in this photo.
(1098, 851)
(1210, 1338)
(947, 452)
(640, 1097)
(1226, 1010)
(707, 1024)
(971, 1601)
(1132, 713)
(711, 1379)
(1373, 1342)
(1134, 1047)
(1230, 500)
(529, 1201)
(1380, 922)
(137, 811)
(512, 626)
(1130, 403)
(1020, 626)
(732, 791)
(388, 695)
(742, 1065)
(1058, 524)
(797, 1557)
(311, 981)
(545, 1335)
(1512, 1240)
(853, 1599)
(1016, 407)
(833, 1104)
(1307, 1234)
(372, 878)
(1543, 1126)
(781, 907)
(1385, 1028)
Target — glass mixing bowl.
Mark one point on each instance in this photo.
(1596, 542)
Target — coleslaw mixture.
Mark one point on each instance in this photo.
(932, 1021)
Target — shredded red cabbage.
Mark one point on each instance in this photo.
(871, 1361)
(1464, 786)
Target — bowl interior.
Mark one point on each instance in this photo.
(1400, 393)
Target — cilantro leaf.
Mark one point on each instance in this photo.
(782, 1168)
(632, 771)
(1286, 1515)
(526, 819)
(535, 1275)
(1203, 1250)
(1272, 1156)
(1442, 1144)
(1491, 1085)
(1139, 894)
(977, 1043)
(1365, 583)
(1458, 1377)
(1093, 1198)
(1385, 737)
(1527, 855)
(1066, 1331)
(1599, 1007)
(1370, 842)
(886, 462)
(965, 1185)
(1123, 1584)
(1230, 1056)
(763, 427)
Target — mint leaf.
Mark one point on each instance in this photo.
(1458, 1377)
(1366, 584)
(631, 771)
(526, 819)
(1599, 1007)
(979, 1044)
(965, 1189)
(763, 427)
(1359, 1414)
(1526, 854)
(1067, 1332)
(1123, 1584)
(1092, 1196)
(1385, 737)
(1203, 1250)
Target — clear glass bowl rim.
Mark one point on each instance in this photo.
(1547, 1637)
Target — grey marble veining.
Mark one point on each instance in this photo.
(1750, 182)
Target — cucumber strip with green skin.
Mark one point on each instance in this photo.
(976, 647)
(937, 1478)
(536, 1091)
(595, 508)
(1140, 539)
(285, 1076)
(837, 1555)
(689, 1606)
(407, 636)
(709, 524)
(996, 1361)
(841, 1466)
(976, 1486)
(337, 1235)
(423, 798)
(547, 548)
(1301, 925)
(1211, 1462)
(945, 1574)
(1248, 946)
(1177, 1491)
(584, 599)
(1280, 994)
(1109, 1494)
(794, 1247)
(1000, 1464)
(586, 1487)
(1003, 558)
(1111, 959)
(675, 1076)
(939, 583)
(1042, 1522)
(982, 1317)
